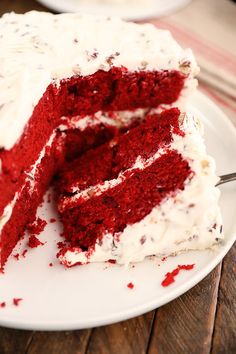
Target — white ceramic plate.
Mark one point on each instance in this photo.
(156, 8)
(55, 298)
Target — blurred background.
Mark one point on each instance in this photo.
(207, 26)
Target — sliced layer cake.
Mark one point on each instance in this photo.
(150, 191)
(59, 75)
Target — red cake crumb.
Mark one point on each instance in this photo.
(36, 227)
(34, 242)
(130, 285)
(50, 265)
(52, 220)
(24, 253)
(16, 256)
(112, 261)
(164, 259)
(2, 304)
(49, 198)
(170, 276)
(61, 245)
(16, 301)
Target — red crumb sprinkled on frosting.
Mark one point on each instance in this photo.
(164, 259)
(49, 198)
(130, 285)
(16, 256)
(50, 265)
(16, 301)
(36, 227)
(34, 242)
(2, 304)
(170, 276)
(112, 261)
(24, 253)
(52, 220)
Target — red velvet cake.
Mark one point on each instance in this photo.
(71, 83)
(118, 201)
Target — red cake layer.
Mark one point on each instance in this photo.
(77, 142)
(87, 218)
(125, 204)
(107, 161)
(116, 89)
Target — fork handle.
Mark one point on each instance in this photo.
(227, 178)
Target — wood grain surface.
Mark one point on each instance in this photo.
(202, 321)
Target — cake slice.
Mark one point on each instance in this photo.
(150, 191)
(59, 75)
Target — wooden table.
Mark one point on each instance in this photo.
(201, 321)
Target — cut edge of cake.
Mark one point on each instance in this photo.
(187, 219)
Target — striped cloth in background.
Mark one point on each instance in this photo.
(209, 28)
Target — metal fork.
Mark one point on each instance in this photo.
(227, 178)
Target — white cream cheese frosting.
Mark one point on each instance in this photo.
(7, 212)
(189, 220)
(39, 48)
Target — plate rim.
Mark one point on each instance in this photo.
(139, 309)
(154, 11)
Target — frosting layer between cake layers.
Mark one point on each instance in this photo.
(40, 48)
(187, 219)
